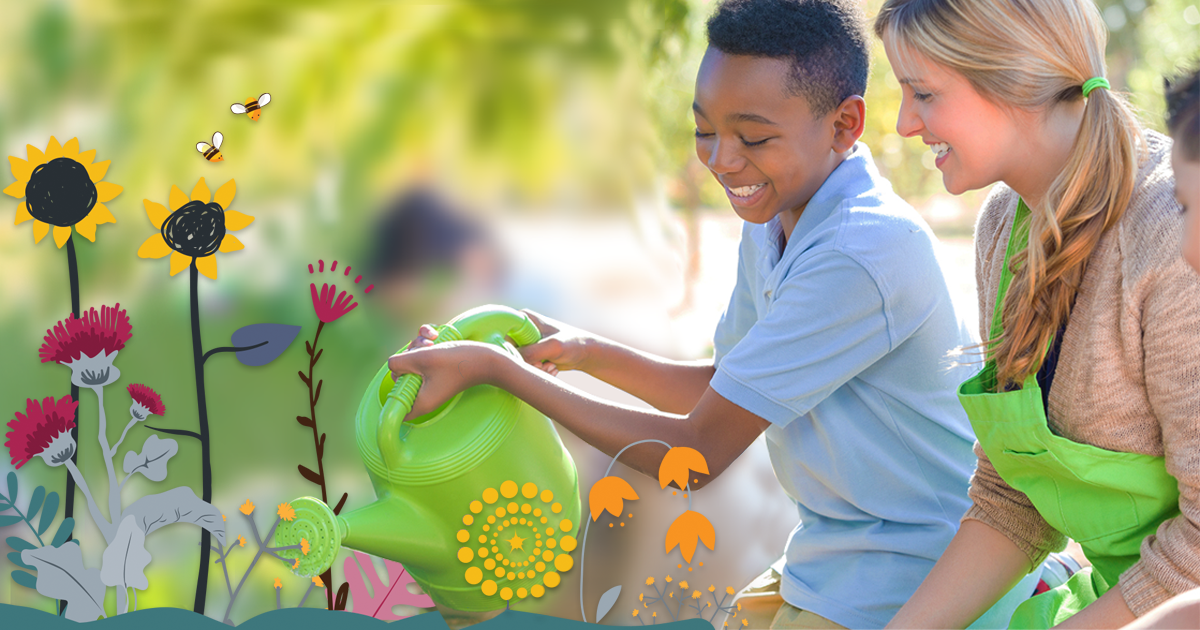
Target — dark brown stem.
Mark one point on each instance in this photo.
(314, 392)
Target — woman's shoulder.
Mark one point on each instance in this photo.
(1152, 224)
(997, 208)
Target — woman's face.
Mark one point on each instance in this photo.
(1187, 191)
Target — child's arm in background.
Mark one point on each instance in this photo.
(671, 386)
(717, 428)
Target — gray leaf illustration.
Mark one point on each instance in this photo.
(177, 505)
(152, 461)
(125, 560)
(61, 575)
(607, 601)
(268, 341)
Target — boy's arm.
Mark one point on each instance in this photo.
(717, 428)
(671, 386)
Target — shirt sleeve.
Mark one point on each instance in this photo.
(826, 324)
(739, 315)
(1170, 559)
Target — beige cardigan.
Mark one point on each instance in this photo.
(1128, 375)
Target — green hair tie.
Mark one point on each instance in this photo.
(1093, 83)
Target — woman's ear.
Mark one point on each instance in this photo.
(849, 119)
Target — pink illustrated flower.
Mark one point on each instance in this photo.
(44, 430)
(329, 304)
(88, 345)
(146, 401)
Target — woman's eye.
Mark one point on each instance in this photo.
(922, 96)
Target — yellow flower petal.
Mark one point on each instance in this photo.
(207, 265)
(20, 168)
(71, 149)
(154, 247)
(225, 194)
(61, 234)
(247, 507)
(230, 244)
(86, 157)
(22, 214)
(96, 171)
(179, 262)
(235, 220)
(100, 214)
(87, 227)
(157, 213)
(286, 512)
(40, 230)
(53, 149)
(36, 157)
(107, 191)
(178, 199)
(16, 189)
(201, 193)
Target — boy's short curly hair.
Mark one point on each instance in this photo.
(1183, 112)
(825, 41)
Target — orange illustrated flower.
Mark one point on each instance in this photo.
(286, 512)
(62, 189)
(296, 564)
(247, 507)
(649, 581)
(695, 594)
(683, 585)
(278, 583)
(689, 528)
(610, 493)
(241, 541)
(676, 464)
(304, 546)
(317, 580)
(195, 228)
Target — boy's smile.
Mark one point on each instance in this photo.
(762, 144)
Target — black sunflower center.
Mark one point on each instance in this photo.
(196, 229)
(60, 192)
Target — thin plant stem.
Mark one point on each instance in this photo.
(104, 526)
(205, 455)
(257, 555)
(311, 586)
(132, 421)
(313, 394)
(588, 525)
(114, 491)
(73, 278)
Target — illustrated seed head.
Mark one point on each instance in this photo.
(196, 229)
(60, 192)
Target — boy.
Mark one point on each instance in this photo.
(834, 341)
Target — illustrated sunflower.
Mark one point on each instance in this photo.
(62, 188)
(195, 228)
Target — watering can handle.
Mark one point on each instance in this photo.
(488, 324)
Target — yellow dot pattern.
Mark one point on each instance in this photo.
(527, 520)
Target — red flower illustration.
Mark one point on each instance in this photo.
(73, 339)
(43, 430)
(88, 345)
(328, 309)
(146, 401)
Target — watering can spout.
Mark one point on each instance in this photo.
(390, 528)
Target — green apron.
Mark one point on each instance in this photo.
(1106, 501)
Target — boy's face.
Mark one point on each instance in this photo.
(763, 145)
(1187, 191)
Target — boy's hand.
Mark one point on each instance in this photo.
(446, 370)
(562, 347)
(425, 337)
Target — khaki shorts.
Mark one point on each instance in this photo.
(764, 609)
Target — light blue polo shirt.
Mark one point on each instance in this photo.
(840, 341)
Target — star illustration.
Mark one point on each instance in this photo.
(516, 542)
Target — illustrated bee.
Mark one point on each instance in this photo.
(212, 152)
(253, 107)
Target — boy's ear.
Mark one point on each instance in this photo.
(849, 119)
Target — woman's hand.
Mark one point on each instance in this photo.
(446, 370)
(562, 347)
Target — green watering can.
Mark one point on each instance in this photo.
(478, 499)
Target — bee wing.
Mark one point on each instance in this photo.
(238, 108)
(202, 146)
(264, 99)
(218, 138)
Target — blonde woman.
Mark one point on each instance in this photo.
(1087, 411)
